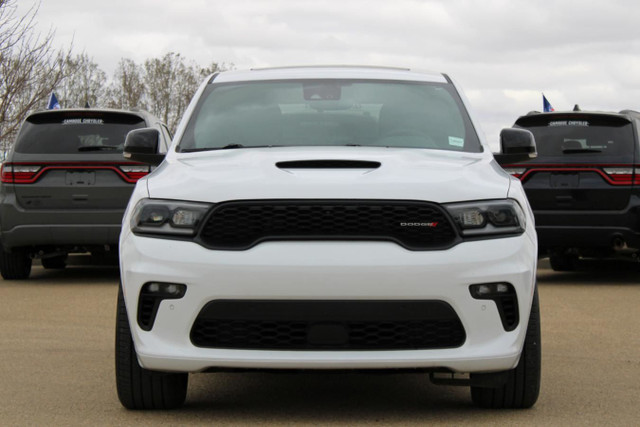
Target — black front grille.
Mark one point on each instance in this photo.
(327, 325)
(239, 225)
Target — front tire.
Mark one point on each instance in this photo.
(522, 387)
(15, 265)
(140, 388)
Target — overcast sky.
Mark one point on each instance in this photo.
(503, 53)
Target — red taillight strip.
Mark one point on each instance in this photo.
(27, 178)
(613, 179)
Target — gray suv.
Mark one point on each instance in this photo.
(584, 185)
(65, 185)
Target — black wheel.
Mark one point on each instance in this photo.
(563, 262)
(140, 388)
(15, 265)
(522, 387)
(56, 262)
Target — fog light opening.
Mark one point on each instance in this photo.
(502, 288)
(505, 298)
(482, 291)
(164, 290)
(151, 295)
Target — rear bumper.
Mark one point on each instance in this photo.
(56, 235)
(588, 229)
(21, 227)
(587, 237)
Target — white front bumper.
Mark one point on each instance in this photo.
(328, 270)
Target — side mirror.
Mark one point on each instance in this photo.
(516, 145)
(142, 145)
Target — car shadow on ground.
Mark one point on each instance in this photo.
(75, 274)
(79, 269)
(330, 398)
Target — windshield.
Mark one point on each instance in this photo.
(583, 138)
(66, 133)
(330, 113)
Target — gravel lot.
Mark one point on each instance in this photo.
(56, 364)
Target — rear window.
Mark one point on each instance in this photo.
(64, 132)
(330, 113)
(581, 138)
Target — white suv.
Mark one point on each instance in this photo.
(328, 218)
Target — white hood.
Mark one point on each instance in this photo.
(403, 174)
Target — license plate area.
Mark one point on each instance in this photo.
(80, 178)
(564, 180)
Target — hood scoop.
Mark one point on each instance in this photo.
(328, 164)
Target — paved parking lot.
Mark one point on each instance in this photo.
(56, 364)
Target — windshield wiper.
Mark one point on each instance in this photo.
(98, 148)
(580, 150)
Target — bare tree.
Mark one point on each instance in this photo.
(170, 83)
(85, 83)
(161, 76)
(29, 65)
(163, 85)
(127, 88)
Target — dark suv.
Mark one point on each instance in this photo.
(584, 186)
(65, 185)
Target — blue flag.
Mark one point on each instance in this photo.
(547, 108)
(53, 102)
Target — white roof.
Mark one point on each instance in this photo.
(330, 72)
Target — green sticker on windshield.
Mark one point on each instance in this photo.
(456, 142)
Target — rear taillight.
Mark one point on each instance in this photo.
(613, 174)
(135, 172)
(19, 174)
(622, 175)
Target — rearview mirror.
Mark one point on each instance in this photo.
(142, 145)
(516, 145)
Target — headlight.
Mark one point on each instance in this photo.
(487, 217)
(168, 217)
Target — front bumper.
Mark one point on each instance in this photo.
(328, 271)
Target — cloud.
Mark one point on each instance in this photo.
(504, 53)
